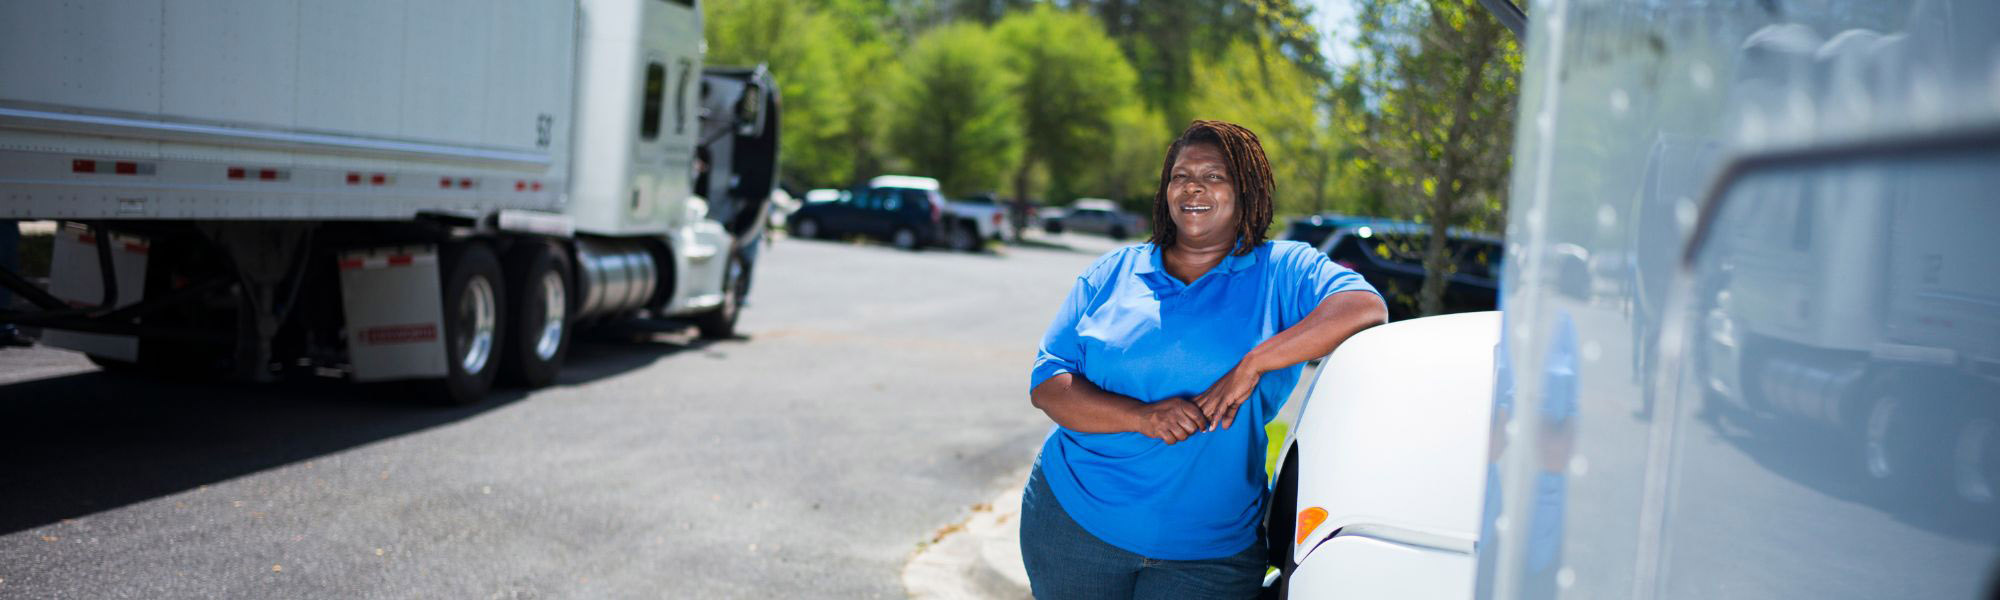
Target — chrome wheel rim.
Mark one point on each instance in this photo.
(808, 228)
(553, 304)
(476, 321)
(905, 239)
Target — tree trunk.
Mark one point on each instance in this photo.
(1021, 194)
(1440, 263)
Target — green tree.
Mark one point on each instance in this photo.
(951, 113)
(1436, 81)
(1071, 82)
(1164, 40)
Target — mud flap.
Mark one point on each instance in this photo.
(395, 322)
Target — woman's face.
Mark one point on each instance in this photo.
(1200, 197)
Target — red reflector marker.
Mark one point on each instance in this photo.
(236, 172)
(399, 260)
(520, 186)
(350, 264)
(378, 179)
(268, 174)
(444, 182)
(465, 184)
(127, 168)
(353, 179)
(82, 166)
(537, 186)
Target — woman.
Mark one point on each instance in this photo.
(1150, 486)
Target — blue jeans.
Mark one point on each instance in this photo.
(1065, 561)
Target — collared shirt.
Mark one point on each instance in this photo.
(1133, 329)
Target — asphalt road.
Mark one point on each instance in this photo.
(874, 397)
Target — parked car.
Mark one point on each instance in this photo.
(982, 215)
(1049, 218)
(1389, 254)
(1095, 215)
(1315, 228)
(906, 211)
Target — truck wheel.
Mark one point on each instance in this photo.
(1281, 523)
(904, 238)
(809, 228)
(538, 291)
(964, 238)
(473, 326)
(721, 323)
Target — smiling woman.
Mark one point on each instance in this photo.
(1147, 487)
(1210, 167)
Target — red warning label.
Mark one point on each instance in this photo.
(384, 335)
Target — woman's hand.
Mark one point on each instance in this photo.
(1171, 420)
(1220, 402)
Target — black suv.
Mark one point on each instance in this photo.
(908, 217)
(1389, 254)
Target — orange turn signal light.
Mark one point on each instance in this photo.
(1309, 519)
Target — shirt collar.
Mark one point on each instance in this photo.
(1232, 263)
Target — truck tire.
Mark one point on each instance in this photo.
(473, 324)
(720, 323)
(540, 320)
(964, 237)
(904, 238)
(1281, 524)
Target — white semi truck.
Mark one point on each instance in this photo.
(432, 190)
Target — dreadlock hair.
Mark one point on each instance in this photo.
(1249, 173)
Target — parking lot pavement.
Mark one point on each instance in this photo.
(875, 396)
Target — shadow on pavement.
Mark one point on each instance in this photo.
(89, 442)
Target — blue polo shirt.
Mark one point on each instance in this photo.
(1132, 329)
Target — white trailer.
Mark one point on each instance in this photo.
(438, 190)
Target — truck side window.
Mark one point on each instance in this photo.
(656, 89)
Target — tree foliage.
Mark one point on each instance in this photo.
(951, 113)
(1079, 98)
(1436, 82)
(1070, 83)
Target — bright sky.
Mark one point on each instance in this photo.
(1335, 20)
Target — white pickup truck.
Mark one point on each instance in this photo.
(982, 215)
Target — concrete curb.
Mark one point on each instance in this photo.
(979, 558)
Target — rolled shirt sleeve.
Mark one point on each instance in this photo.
(1062, 348)
(1318, 279)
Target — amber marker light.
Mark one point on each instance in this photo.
(1309, 519)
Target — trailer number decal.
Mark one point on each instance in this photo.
(543, 124)
(383, 335)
